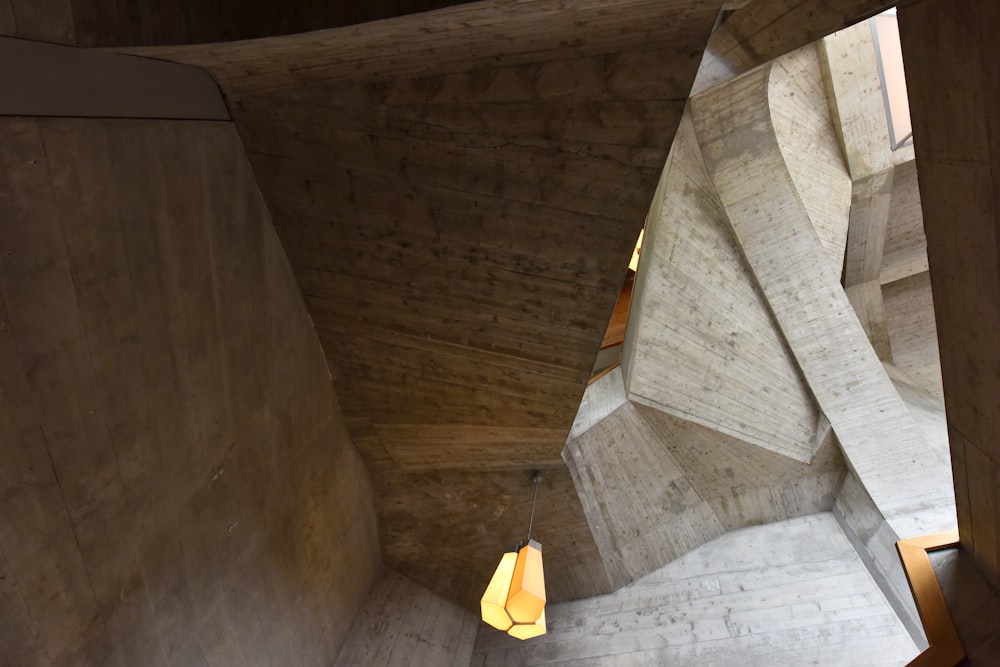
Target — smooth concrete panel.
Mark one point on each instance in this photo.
(178, 485)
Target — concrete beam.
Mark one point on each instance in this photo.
(882, 444)
(702, 344)
(762, 30)
(850, 72)
(869, 217)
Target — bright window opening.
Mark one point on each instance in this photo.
(889, 54)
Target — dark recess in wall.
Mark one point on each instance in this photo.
(152, 22)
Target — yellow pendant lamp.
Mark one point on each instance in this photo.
(514, 601)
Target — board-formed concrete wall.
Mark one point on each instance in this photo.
(790, 593)
(403, 624)
(655, 486)
(702, 344)
(177, 484)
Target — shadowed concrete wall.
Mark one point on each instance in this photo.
(178, 486)
(953, 76)
(403, 624)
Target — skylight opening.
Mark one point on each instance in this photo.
(889, 55)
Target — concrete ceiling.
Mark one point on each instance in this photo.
(458, 211)
(458, 193)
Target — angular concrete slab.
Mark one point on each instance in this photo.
(702, 343)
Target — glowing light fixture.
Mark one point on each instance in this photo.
(633, 263)
(514, 601)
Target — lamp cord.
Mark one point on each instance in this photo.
(531, 519)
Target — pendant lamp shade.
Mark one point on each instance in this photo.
(495, 598)
(528, 630)
(526, 599)
(514, 601)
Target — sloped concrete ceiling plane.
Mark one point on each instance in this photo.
(458, 194)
